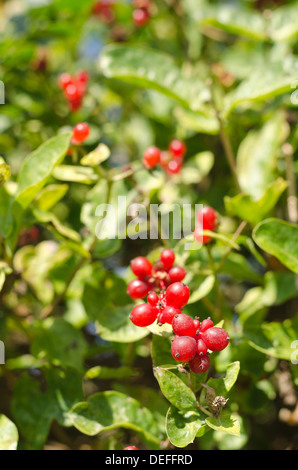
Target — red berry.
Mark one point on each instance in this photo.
(73, 92)
(216, 339)
(177, 274)
(167, 315)
(130, 448)
(80, 132)
(83, 77)
(199, 364)
(197, 323)
(177, 148)
(151, 157)
(207, 218)
(141, 267)
(138, 289)
(165, 158)
(65, 79)
(174, 166)
(143, 315)
(183, 325)
(152, 298)
(184, 348)
(208, 323)
(140, 17)
(199, 237)
(201, 348)
(177, 294)
(167, 257)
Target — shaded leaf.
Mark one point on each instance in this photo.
(175, 390)
(183, 426)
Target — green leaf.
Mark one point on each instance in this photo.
(273, 339)
(175, 390)
(110, 410)
(225, 423)
(49, 219)
(283, 24)
(235, 19)
(148, 68)
(280, 239)
(8, 434)
(161, 351)
(222, 385)
(264, 83)
(197, 167)
(6, 218)
(38, 401)
(257, 156)
(50, 195)
(183, 426)
(279, 287)
(4, 173)
(98, 156)
(67, 352)
(75, 174)
(38, 167)
(203, 288)
(254, 211)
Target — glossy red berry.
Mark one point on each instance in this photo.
(141, 267)
(140, 17)
(184, 348)
(138, 289)
(183, 325)
(174, 166)
(208, 323)
(199, 364)
(130, 448)
(177, 295)
(151, 157)
(201, 348)
(207, 218)
(216, 339)
(197, 324)
(165, 158)
(152, 298)
(177, 148)
(199, 236)
(80, 132)
(167, 257)
(167, 315)
(65, 79)
(143, 315)
(72, 92)
(177, 274)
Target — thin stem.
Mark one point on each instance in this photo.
(234, 238)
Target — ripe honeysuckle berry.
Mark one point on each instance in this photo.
(140, 17)
(167, 315)
(138, 289)
(216, 339)
(141, 267)
(183, 325)
(152, 298)
(200, 364)
(167, 257)
(80, 132)
(207, 218)
(165, 158)
(143, 315)
(177, 148)
(201, 348)
(183, 348)
(174, 166)
(177, 295)
(177, 274)
(208, 323)
(73, 92)
(130, 448)
(151, 157)
(199, 236)
(197, 324)
(64, 80)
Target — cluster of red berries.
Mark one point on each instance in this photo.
(141, 13)
(193, 340)
(154, 277)
(104, 10)
(74, 88)
(171, 160)
(206, 220)
(80, 133)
